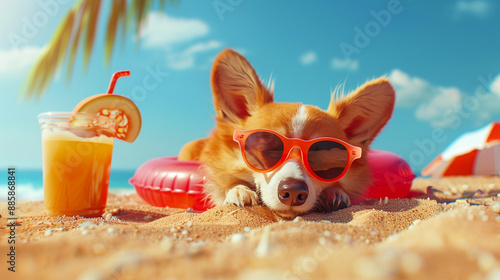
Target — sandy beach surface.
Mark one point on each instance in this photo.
(448, 229)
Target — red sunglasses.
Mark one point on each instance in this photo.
(327, 159)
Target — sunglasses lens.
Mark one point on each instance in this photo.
(263, 150)
(328, 159)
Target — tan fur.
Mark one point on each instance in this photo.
(363, 113)
(243, 102)
(237, 89)
(193, 149)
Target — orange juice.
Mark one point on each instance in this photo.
(76, 169)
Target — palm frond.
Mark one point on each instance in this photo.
(79, 29)
(138, 12)
(92, 8)
(81, 19)
(45, 68)
(117, 19)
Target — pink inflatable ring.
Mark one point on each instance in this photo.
(166, 181)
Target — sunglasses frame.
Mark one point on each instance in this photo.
(241, 136)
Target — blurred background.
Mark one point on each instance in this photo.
(442, 58)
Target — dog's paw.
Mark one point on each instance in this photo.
(241, 195)
(341, 200)
(333, 199)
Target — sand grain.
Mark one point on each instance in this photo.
(417, 238)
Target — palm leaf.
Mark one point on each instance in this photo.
(82, 19)
(79, 29)
(138, 12)
(92, 7)
(46, 66)
(116, 19)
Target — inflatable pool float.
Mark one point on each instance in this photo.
(391, 175)
(166, 181)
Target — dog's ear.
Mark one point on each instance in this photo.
(237, 90)
(364, 112)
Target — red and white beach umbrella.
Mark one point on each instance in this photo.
(473, 153)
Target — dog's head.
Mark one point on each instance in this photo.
(243, 102)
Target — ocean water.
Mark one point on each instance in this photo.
(29, 184)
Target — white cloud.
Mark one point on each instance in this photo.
(478, 8)
(177, 62)
(345, 64)
(203, 47)
(495, 86)
(446, 106)
(179, 38)
(489, 99)
(161, 31)
(410, 90)
(431, 101)
(17, 61)
(433, 110)
(308, 58)
(186, 59)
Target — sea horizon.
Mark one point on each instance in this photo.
(29, 183)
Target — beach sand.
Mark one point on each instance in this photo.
(447, 230)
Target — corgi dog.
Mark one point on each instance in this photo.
(292, 158)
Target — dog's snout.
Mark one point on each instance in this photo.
(292, 192)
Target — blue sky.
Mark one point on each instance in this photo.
(442, 57)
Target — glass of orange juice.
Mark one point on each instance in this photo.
(76, 149)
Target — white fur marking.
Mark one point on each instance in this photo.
(241, 196)
(299, 121)
(269, 187)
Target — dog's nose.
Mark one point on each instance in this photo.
(292, 192)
